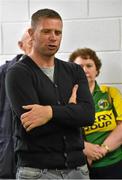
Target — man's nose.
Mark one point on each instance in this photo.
(53, 35)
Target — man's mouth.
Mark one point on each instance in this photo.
(52, 47)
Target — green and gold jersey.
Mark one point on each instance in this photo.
(108, 107)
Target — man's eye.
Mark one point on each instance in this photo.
(58, 33)
(46, 31)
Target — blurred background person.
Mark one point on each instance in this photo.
(104, 138)
(7, 159)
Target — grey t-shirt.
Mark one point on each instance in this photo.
(49, 72)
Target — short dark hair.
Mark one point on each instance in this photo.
(44, 13)
(86, 53)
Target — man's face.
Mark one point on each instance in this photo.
(25, 44)
(47, 36)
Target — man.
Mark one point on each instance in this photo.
(7, 163)
(47, 127)
(25, 43)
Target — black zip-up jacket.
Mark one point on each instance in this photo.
(7, 163)
(59, 143)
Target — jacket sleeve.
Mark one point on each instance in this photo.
(82, 113)
(2, 85)
(19, 89)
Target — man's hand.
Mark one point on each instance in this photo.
(73, 97)
(36, 116)
(39, 115)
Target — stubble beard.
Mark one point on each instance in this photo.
(49, 53)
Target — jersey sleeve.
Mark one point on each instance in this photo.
(117, 102)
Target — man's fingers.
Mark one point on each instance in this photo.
(74, 90)
(74, 94)
(26, 124)
(28, 106)
(24, 115)
(30, 127)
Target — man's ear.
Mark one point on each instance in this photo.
(31, 32)
(20, 44)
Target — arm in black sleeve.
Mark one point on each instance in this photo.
(19, 89)
(82, 113)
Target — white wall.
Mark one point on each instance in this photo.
(95, 24)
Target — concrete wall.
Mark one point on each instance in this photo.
(96, 24)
